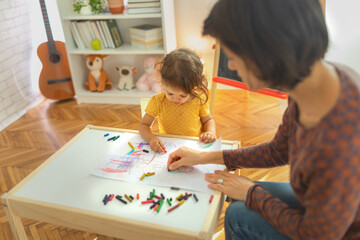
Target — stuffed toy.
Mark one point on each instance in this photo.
(98, 79)
(150, 79)
(126, 80)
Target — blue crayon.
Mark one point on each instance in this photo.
(106, 135)
(196, 197)
(109, 139)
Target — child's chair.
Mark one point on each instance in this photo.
(143, 103)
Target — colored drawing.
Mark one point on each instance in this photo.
(126, 164)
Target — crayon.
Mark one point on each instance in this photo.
(144, 150)
(142, 177)
(161, 203)
(158, 197)
(176, 206)
(128, 198)
(168, 200)
(177, 198)
(116, 137)
(148, 201)
(105, 135)
(196, 197)
(162, 195)
(150, 174)
(156, 207)
(118, 197)
(211, 198)
(111, 197)
(132, 147)
(137, 196)
(105, 197)
(132, 198)
(154, 204)
(109, 139)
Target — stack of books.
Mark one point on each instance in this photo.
(143, 6)
(106, 31)
(146, 36)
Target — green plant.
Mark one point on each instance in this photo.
(97, 6)
(78, 5)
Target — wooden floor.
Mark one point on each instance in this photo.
(249, 117)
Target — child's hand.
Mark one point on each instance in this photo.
(156, 144)
(207, 137)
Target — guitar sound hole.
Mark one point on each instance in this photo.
(54, 58)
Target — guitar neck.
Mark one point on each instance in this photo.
(51, 43)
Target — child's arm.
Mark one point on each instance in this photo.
(145, 132)
(209, 134)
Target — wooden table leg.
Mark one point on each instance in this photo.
(14, 221)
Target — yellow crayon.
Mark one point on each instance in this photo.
(181, 202)
(150, 173)
(132, 147)
(128, 198)
(142, 177)
(179, 196)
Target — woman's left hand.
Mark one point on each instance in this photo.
(234, 186)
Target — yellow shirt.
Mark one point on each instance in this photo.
(183, 119)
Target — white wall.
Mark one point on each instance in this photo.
(343, 20)
(15, 52)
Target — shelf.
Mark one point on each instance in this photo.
(113, 96)
(111, 16)
(124, 49)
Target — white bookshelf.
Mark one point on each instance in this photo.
(125, 54)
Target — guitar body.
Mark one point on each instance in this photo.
(55, 77)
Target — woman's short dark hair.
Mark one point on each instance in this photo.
(282, 38)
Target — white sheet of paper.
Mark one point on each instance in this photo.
(121, 163)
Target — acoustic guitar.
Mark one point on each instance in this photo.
(55, 77)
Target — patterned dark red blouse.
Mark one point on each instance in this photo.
(324, 169)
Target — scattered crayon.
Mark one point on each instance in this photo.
(176, 206)
(148, 201)
(150, 174)
(161, 203)
(158, 197)
(116, 137)
(168, 200)
(138, 196)
(211, 198)
(105, 135)
(142, 177)
(156, 207)
(111, 197)
(152, 206)
(118, 197)
(196, 197)
(128, 198)
(162, 195)
(132, 198)
(144, 150)
(177, 198)
(132, 147)
(109, 139)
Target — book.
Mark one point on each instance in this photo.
(107, 34)
(143, 4)
(96, 33)
(114, 32)
(140, 45)
(102, 34)
(146, 38)
(76, 35)
(83, 35)
(146, 30)
(138, 1)
(144, 10)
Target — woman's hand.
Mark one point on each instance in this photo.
(234, 186)
(156, 144)
(207, 137)
(182, 157)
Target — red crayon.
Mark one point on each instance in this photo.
(148, 201)
(111, 197)
(211, 198)
(137, 196)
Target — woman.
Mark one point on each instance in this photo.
(280, 44)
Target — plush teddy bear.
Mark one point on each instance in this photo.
(126, 79)
(98, 79)
(150, 79)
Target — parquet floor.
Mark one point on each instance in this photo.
(249, 117)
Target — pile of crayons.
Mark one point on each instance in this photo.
(112, 138)
(156, 201)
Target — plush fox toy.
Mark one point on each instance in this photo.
(98, 79)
